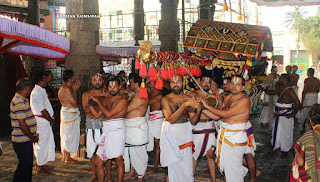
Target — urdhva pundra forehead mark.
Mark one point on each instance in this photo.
(236, 80)
(175, 78)
(97, 77)
(112, 84)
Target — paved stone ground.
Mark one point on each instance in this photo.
(273, 169)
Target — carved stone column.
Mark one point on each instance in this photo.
(169, 26)
(84, 36)
(139, 19)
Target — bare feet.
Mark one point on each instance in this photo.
(110, 180)
(93, 179)
(253, 180)
(258, 173)
(140, 179)
(129, 176)
(71, 161)
(43, 172)
(47, 167)
(153, 170)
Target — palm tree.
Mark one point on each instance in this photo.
(294, 19)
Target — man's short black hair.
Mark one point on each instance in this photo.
(286, 76)
(23, 83)
(132, 75)
(227, 78)
(120, 78)
(67, 74)
(311, 71)
(243, 80)
(137, 79)
(116, 79)
(204, 76)
(39, 77)
(314, 114)
(295, 66)
(47, 73)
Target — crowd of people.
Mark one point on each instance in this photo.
(179, 126)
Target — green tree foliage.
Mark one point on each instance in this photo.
(308, 29)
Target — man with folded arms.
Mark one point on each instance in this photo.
(176, 144)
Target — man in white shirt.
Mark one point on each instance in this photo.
(43, 112)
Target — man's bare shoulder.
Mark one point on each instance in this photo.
(123, 101)
(194, 93)
(86, 93)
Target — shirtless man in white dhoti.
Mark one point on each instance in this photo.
(112, 142)
(70, 117)
(282, 133)
(232, 136)
(93, 125)
(136, 157)
(204, 132)
(155, 123)
(180, 111)
(42, 109)
(309, 95)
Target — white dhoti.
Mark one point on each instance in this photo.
(44, 150)
(135, 154)
(231, 146)
(176, 151)
(94, 132)
(251, 147)
(309, 100)
(70, 129)
(267, 111)
(217, 125)
(282, 132)
(204, 138)
(155, 123)
(93, 138)
(112, 140)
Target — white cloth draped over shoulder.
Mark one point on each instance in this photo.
(155, 123)
(231, 146)
(204, 138)
(112, 140)
(282, 133)
(70, 129)
(44, 150)
(176, 151)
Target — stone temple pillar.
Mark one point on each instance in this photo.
(169, 26)
(207, 8)
(139, 19)
(84, 36)
(83, 61)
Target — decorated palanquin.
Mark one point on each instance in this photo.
(218, 49)
(233, 48)
(229, 37)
